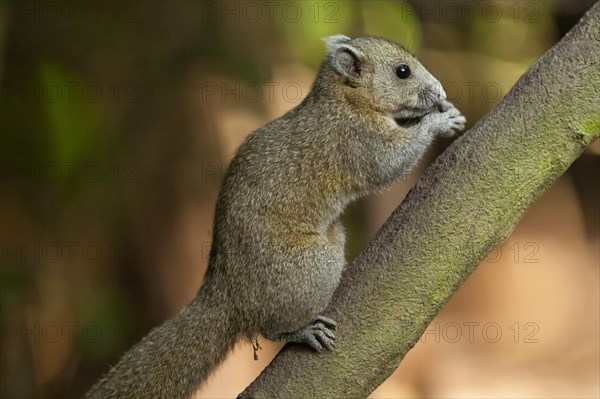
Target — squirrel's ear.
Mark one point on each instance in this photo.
(332, 42)
(345, 58)
(348, 61)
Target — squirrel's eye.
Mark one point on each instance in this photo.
(403, 71)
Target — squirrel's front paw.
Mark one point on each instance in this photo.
(448, 122)
(455, 122)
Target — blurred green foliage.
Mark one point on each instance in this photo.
(73, 125)
(394, 20)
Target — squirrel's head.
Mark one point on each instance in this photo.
(383, 76)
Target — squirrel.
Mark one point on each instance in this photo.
(278, 244)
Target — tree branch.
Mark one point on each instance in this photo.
(466, 204)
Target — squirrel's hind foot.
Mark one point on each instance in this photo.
(318, 334)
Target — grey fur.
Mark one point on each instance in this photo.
(278, 244)
(331, 42)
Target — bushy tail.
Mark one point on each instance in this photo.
(174, 358)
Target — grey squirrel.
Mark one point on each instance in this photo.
(278, 244)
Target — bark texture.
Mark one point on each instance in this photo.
(466, 204)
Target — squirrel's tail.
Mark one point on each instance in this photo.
(173, 359)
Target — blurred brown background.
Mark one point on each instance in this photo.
(118, 120)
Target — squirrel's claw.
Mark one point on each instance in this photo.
(326, 321)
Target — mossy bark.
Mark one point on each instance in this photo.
(466, 204)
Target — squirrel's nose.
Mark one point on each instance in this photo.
(442, 92)
(439, 91)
